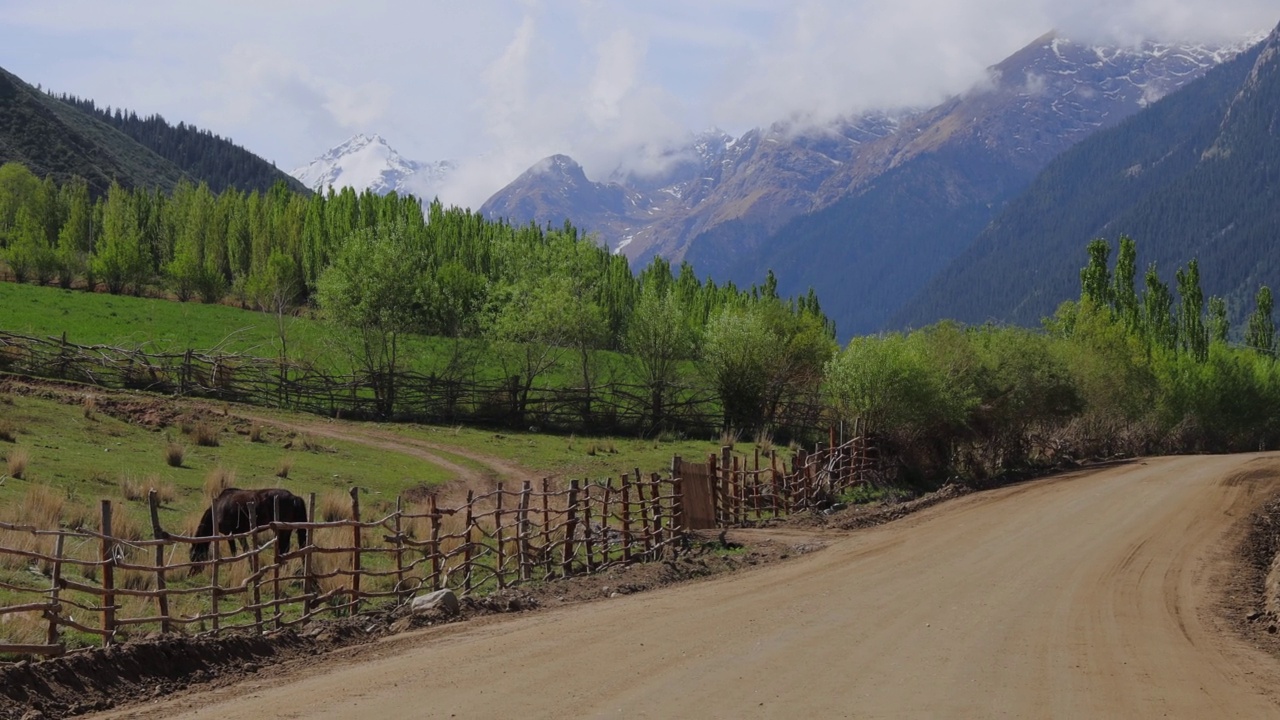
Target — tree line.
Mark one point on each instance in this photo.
(1124, 369)
(541, 300)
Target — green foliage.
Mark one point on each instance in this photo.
(758, 354)
(1261, 333)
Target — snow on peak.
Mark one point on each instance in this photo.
(368, 162)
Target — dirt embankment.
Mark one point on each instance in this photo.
(146, 670)
(1098, 593)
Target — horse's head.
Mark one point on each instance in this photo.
(200, 552)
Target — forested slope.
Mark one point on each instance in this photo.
(1194, 175)
(203, 155)
(56, 140)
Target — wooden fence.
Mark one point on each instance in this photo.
(108, 584)
(609, 407)
(491, 541)
(731, 490)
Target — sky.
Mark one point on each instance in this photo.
(495, 85)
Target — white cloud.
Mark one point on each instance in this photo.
(498, 84)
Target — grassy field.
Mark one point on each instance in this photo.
(159, 325)
(92, 456)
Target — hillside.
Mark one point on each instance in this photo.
(1192, 176)
(891, 219)
(201, 154)
(54, 139)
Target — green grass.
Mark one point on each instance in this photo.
(159, 325)
(89, 458)
(575, 456)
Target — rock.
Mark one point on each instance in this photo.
(1253, 615)
(438, 600)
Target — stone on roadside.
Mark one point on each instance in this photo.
(438, 600)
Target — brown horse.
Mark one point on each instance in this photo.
(231, 508)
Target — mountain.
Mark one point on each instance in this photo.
(55, 139)
(1194, 175)
(202, 155)
(887, 222)
(762, 178)
(868, 209)
(368, 163)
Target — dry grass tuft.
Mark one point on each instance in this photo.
(174, 453)
(729, 438)
(256, 434)
(8, 431)
(333, 506)
(17, 461)
(42, 507)
(133, 488)
(286, 464)
(6, 399)
(205, 435)
(601, 447)
(310, 444)
(89, 406)
(220, 478)
(764, 441)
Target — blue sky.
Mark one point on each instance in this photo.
(498, 84)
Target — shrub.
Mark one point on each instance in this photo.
(205, 435)
(334, 505)
(17, 462)
(220, 478)
(138, 489)
(174, 453)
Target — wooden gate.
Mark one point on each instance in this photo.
(698, 483)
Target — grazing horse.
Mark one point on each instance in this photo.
(232, 510)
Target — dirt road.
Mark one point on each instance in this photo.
(1091, 595)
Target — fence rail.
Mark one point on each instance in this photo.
(492, 540)
(605, 407)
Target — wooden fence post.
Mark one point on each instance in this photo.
(522, 532)
(726, 482)
(501, 561)
(162, 596)
(310, 587)
(355, 549)
(626, 518)
(546, 524)
(467, 550)
(108, 575)
(645, 536)
(433, 517)
(400, 588)
(254, 566)
(588, 534)
(275, 570)
(214, 555)
(54, 587)
(571, 527)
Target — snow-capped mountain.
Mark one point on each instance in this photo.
(729, 194)
(367, 162)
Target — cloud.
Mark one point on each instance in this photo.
(497, 85)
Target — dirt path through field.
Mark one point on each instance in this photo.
(494, 468)
(1091, 595)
